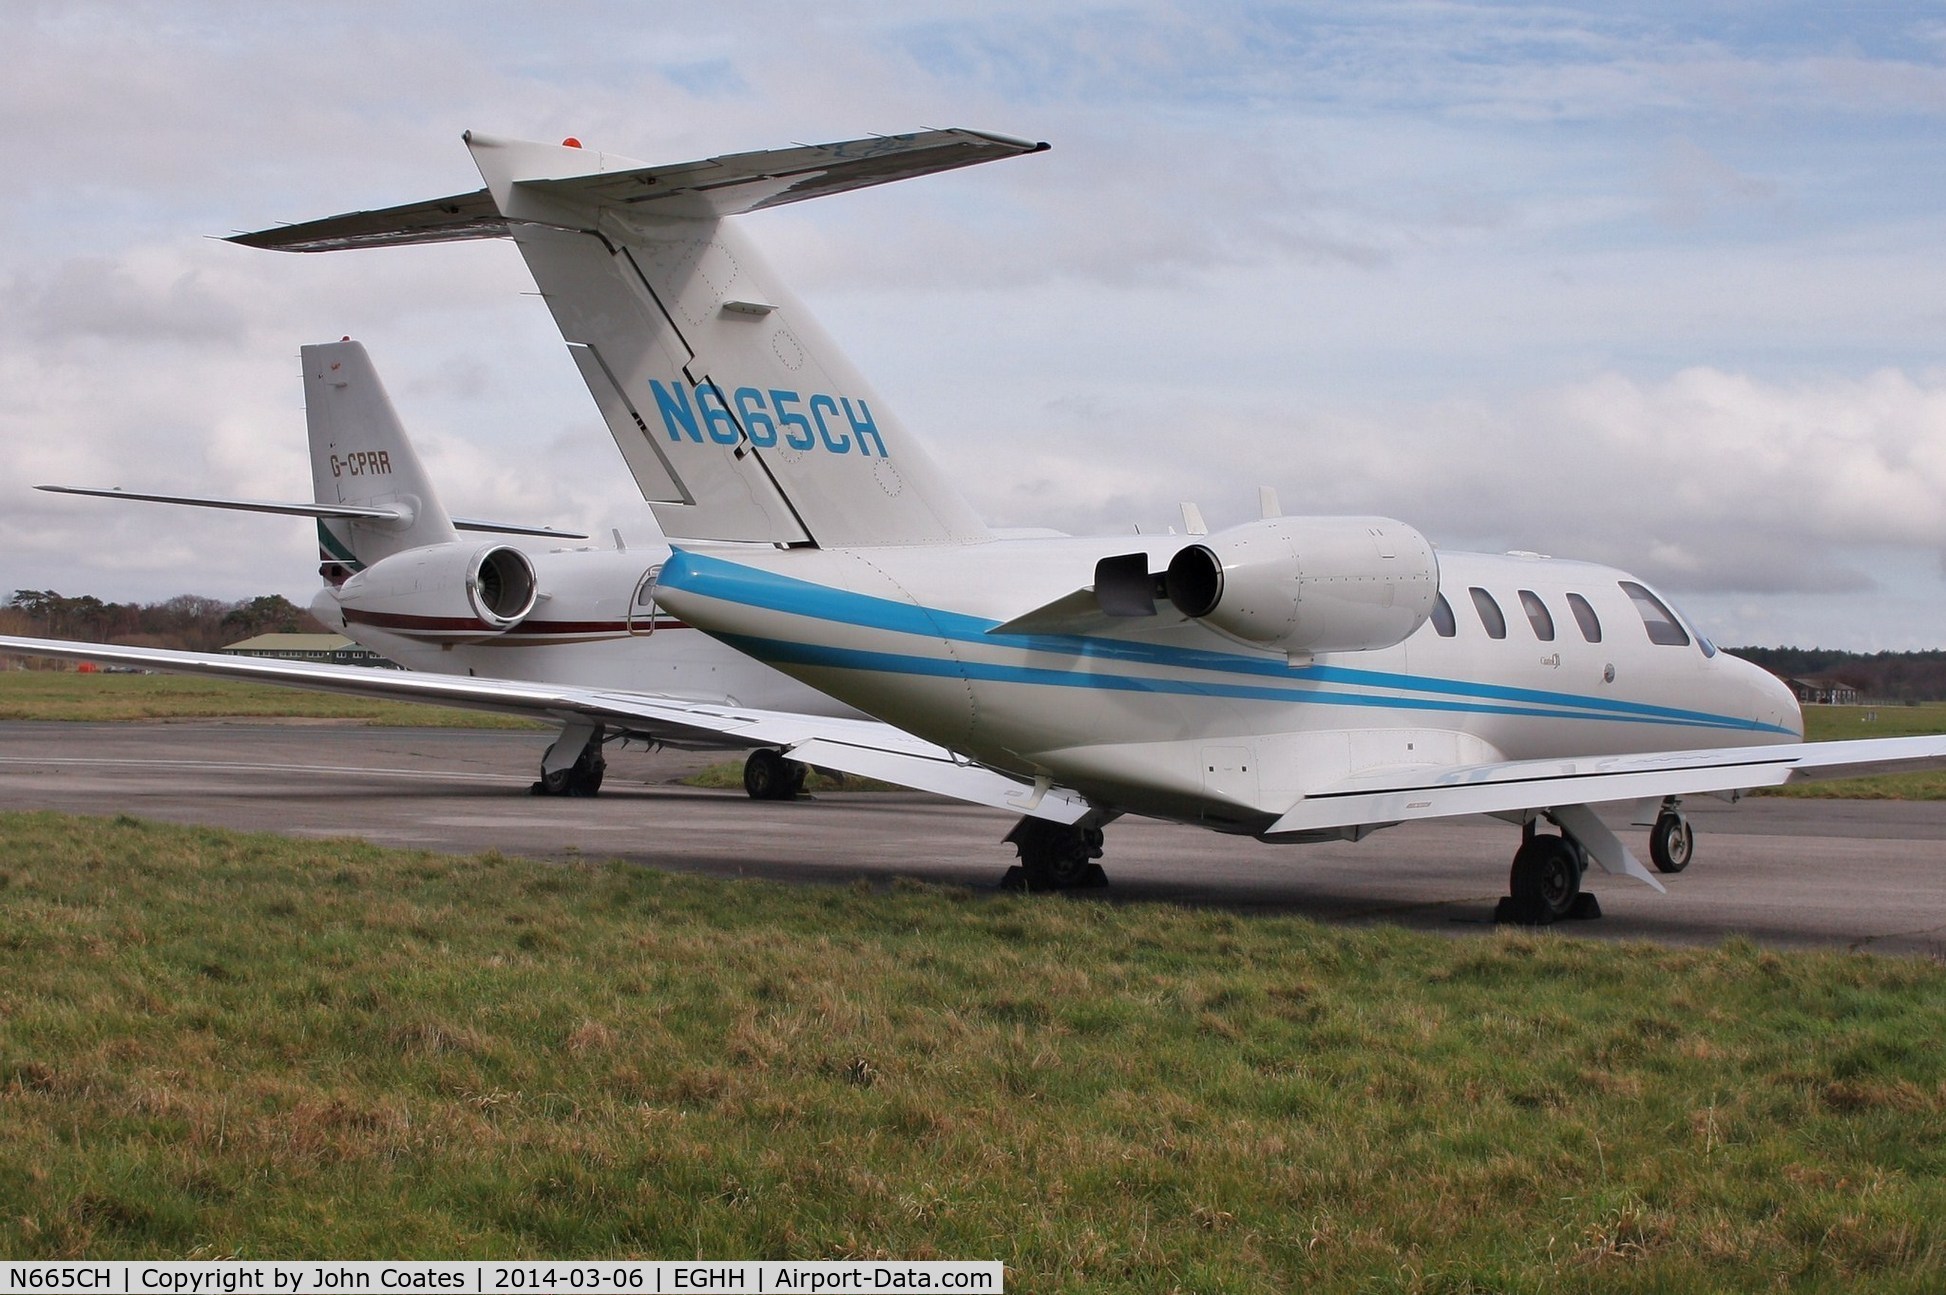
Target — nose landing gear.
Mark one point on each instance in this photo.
(1672, 842)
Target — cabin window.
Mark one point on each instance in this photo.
(1537, 615)
(1656, 617)
(1584, 616)
(1490, 615)
(1442, 617)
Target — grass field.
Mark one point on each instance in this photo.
(103, 698)
(216, 1044)
(1834, 723)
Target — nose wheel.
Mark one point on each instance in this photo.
(1672, 842)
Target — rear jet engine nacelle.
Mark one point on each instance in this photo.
(1308, 584)
(444, 593)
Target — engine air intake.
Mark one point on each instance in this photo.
(1308, 584)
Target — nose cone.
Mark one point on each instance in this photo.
(329, 612)
(1771, 703)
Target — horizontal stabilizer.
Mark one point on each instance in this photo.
(718, 186)
(440, 220)
(309, 510)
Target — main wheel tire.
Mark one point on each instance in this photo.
(585, 778)
(1672, 842)
(767, 775)
(1054, 856)
(1545, 879)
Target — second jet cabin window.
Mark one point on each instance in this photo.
(1490, 615)
(1656, 618)
(1537, 615)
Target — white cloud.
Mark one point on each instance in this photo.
(1658, 289)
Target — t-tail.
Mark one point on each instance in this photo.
(361, 458)
(372, 497)
(737, 416)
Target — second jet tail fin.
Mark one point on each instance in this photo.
(362, 458)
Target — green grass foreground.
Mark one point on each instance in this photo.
(99, 698)
(218, 1044)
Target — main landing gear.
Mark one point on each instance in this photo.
(769, 774)
(1544, 885)
(1545, 882)
(574, 765)
(1055, 856)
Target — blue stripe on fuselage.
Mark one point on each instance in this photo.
(750, 586)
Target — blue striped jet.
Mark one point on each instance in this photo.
(1292, 678)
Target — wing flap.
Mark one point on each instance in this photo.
(1398, 795)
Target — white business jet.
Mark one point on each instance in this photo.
(400, 578)
(1293, 679)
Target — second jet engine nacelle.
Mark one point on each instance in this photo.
(443, 593)
(1309, 584)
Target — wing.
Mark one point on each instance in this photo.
(1397, 795)
(864, 747)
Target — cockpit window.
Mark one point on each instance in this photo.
(1490, 615)
(1442, 617)
(1656, 617)
(1584, 616)
(1537, 615)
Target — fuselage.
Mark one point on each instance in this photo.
(594, 625)
(1162, 716)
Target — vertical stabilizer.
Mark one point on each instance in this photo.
(738, 417)
(360, 456)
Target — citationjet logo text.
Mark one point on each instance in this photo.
(834, 424)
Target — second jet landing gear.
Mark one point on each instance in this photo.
(1055, 856)
(769, 774)
(574, 765)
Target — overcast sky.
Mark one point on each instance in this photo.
(1662, 285)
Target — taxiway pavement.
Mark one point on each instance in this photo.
(1789, 873)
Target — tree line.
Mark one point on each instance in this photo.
(188, 621)
(1878, 676)
(197, 624)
